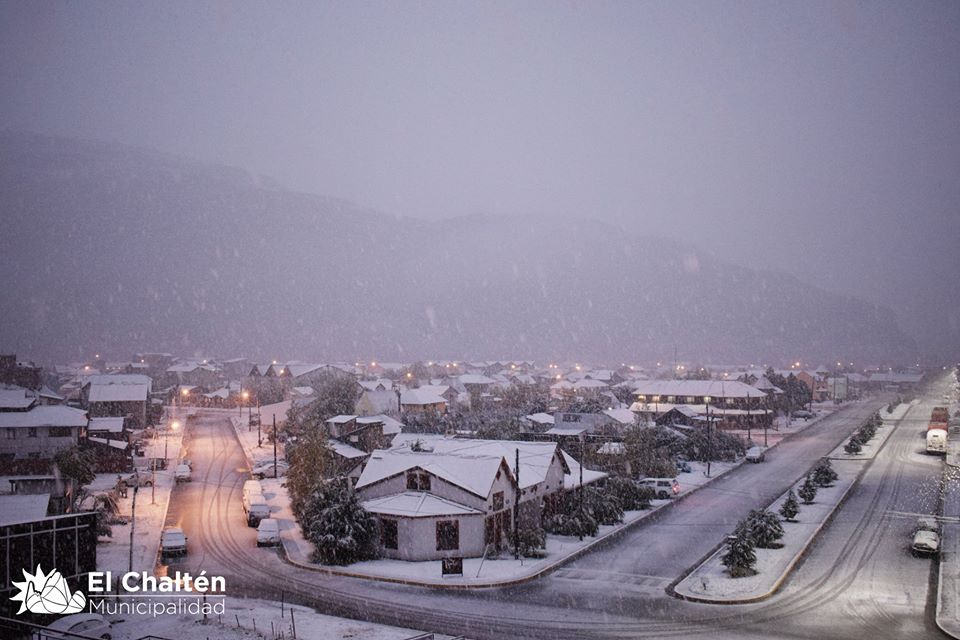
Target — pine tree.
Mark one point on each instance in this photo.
(823, 473)
(341, 530)
(790, 508)
(740, 556)
(764, 529)
(853, 447)
(808, 492)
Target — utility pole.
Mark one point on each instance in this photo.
(516, 506)
(133, 518)
(749, 419)
(274, 445)
(153, 483)
(581, 486)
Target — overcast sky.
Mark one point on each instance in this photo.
(820, 138)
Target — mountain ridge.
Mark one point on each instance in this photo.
(109, 247)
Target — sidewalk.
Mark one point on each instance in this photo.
(249, 443)
(948, 589)
(113, 553)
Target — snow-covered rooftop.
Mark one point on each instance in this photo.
(44, 416)
(23, 508)
(416, 504)
(15, 398)
(712, 388)
(110, 425)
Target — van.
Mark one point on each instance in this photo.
(755, 454)
(665, 488)
(256, 508)
(268, 533)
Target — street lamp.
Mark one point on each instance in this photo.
(706, 401)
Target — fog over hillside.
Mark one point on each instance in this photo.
(118, 248)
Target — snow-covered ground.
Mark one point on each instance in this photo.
(113, 552)
(870, 449)
(254, 619)
(257, 451)
(710, 580)
(476, 571)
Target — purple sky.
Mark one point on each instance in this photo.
(821, 138)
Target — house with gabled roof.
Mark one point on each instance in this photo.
(471, 486)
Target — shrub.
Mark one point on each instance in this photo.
(631, 496)
(341, 530)
(532, 543)
(571, 525)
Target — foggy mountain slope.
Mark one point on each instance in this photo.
(119, 249)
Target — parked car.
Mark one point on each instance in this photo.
(755, 454)
(804, 414)
(173, 542)
(926, 537)
(683, 466)
(268, 533)
(265, 470)
(87, 625)
(188, 462)
(182, 474)
(665, 488)
(139, 479)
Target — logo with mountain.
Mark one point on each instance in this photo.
(47, 593)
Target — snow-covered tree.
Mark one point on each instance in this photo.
(763, 528)
(808, 491)
(740, 557)
(341, 530)
(853, 447)
(823, 473)
(311, 464)
(790, 507)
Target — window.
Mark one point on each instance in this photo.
(388, 533)
(498, 501)
(571, 417)
(60, 432)
(418, 481)
(11, 434)
(32, 432)
(448, 535)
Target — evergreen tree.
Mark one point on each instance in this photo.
(740, 557)
(808, 491)
(853, 447)
(790, 508)
(341, 530)
(823, 473)
(311, 464)
(763, 528)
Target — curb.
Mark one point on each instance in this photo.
(573, 555)
(796, 559)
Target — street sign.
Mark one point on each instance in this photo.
(451, 566)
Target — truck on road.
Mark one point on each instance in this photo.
(937, 430)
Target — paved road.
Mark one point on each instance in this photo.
(856, 570)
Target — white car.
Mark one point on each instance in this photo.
(268, 533)
(664, 488)
(87, 625)
(173, 542)
(182, 474)
(926, 537)
(265, 470)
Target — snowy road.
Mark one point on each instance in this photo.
(858, 578)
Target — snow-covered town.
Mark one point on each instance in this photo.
(479, 320)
